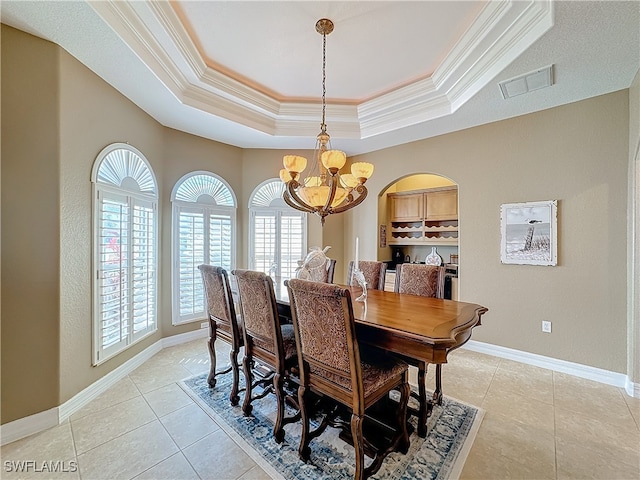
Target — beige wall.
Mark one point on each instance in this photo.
(30, 227)
(577, 154)
(633, 269)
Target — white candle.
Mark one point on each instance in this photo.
(356, 261)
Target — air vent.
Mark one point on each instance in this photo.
(528, 82)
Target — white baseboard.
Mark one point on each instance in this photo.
(23, 427)
(562, 366)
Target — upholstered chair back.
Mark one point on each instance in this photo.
(420, 279)
(374, 273)
(325, 333)
(259, 312)
(220, 305)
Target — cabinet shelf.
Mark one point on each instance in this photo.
(427, 217)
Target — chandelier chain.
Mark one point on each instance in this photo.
(324, 76)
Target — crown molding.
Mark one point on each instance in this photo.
(502, 32)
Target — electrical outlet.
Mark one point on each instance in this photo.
(204, 325)
(546, 326)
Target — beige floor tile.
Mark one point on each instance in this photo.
(120, 392)
(167, 399)
(188, 425)
(197, 365)
(128, 455)
(151, 376)
(634, 406)
(256, 473)
(465, 356)
(520, 408)
(518, 449)
(527, 380)
(480, 466)
(53, 443)
(176, 467)
(105, 425)
(572, 426)
(583, 459)
(465, 383)
(217, 456)
(183, 352)
(591, 399)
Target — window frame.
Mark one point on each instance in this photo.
(123, 193)
(207, 210)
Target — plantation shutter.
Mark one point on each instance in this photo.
(220, 236)
(291, 243)
(191, 245)
(143, 265)
(264, 241)
(126, 273)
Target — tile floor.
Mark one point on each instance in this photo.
(538, 425)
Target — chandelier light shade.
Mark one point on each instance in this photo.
(325, 190)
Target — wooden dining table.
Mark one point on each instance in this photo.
(422, 328)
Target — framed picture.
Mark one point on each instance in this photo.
(529, 233)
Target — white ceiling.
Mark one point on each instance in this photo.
(250, 73)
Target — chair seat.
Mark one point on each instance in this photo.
(377, 369)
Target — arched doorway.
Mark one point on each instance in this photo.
(418, 215)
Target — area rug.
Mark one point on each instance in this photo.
(452, 428)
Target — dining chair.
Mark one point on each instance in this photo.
(374, 273)
(266, 343)
(223, 324)
(334, 365)
(426, 281)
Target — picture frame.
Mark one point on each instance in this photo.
(529, 233)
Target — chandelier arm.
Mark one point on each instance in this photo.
(292, 204)
(333, 185)
(362, 190)
(294, 198)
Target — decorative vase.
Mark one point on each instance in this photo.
(433, 258)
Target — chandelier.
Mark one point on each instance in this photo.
(324, 190)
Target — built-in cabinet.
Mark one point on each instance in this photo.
(424, 217)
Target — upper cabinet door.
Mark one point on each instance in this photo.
(442, 205)
(407, 208)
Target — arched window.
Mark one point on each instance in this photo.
(203, 231)
(278, 233)
(125, 239)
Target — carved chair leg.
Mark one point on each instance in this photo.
(401, 418)
(437, 394)
(247, 363)
(303, 450)
(422, 399)
(358, 445)
(211, 379)
(278, 431)
(234, 398)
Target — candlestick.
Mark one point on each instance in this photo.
(356, 261)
